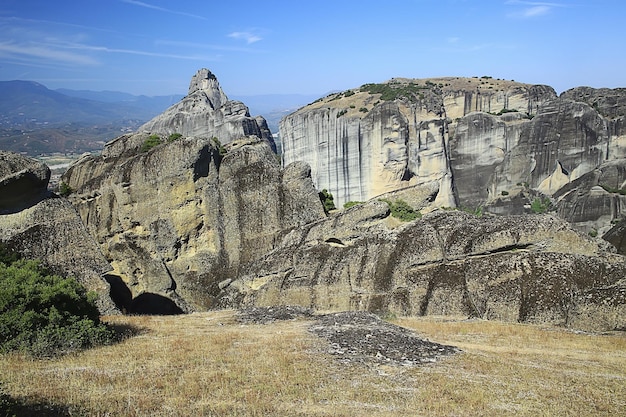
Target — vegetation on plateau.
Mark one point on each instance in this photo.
(44, 315)
(349, 204)
(151, 142)
(393, 91)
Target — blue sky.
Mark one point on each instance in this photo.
(153, 47)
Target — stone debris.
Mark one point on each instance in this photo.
(357, 336)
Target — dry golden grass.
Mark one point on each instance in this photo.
(206, 364)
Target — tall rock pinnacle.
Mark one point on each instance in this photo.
(206, 82)
(207, 112)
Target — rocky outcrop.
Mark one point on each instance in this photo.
(486, 143)
(179, 220)
(23, 181)
(383, 137)
(514, 268)
(206, 111)
(192, 223)
(42, 226)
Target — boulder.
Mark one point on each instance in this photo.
(23, 181)
(48, 228)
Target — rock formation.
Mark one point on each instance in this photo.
(40, 225)
(528, 268)
(206, 111)
(194, 223)
(481, 142)
(179, 220)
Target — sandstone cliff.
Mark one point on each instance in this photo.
(482, 142)
(192, 223)
(180, 219)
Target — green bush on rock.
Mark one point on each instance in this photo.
(401, 210)
(45, 315)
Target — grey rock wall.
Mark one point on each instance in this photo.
(40, 225)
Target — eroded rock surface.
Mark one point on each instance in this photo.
(356, 337)
(40, 225)
(23, 181)
(480, 142)
(180, 219)
(512, 268)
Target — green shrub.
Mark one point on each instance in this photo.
(390, 91)
(327, 200)
(348, 93)
(45, 315)
(504, 192)
(351, 204)
(174, 136)
(541, 205)
(221, 149)
(401, 210)
(478, 211)
(341, 113)
(64, 189)
(363, 110)
(151, 142)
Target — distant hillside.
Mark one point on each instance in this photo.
(150, 105)
(36, 120)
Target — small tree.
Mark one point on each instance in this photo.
(65, 190)
(327, 200)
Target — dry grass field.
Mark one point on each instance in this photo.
(207, 364)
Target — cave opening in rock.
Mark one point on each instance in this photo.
(153, 304)
(144, 304)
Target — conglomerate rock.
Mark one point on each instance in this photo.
(180, 219)
(529, 268)
(40, 225)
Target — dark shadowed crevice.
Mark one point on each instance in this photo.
(119, 292)
(153, 304)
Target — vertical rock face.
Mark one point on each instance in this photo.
(384, 137)
(206, 111)
(483, 143)
(23, 181)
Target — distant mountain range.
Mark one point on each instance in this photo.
(36, 120)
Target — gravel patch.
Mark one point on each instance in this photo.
(357, 336)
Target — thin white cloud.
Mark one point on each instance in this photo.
(26, 52)
(162, 9)
(532, 8)
(249, 37)
(96, 48)
(199, 45)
